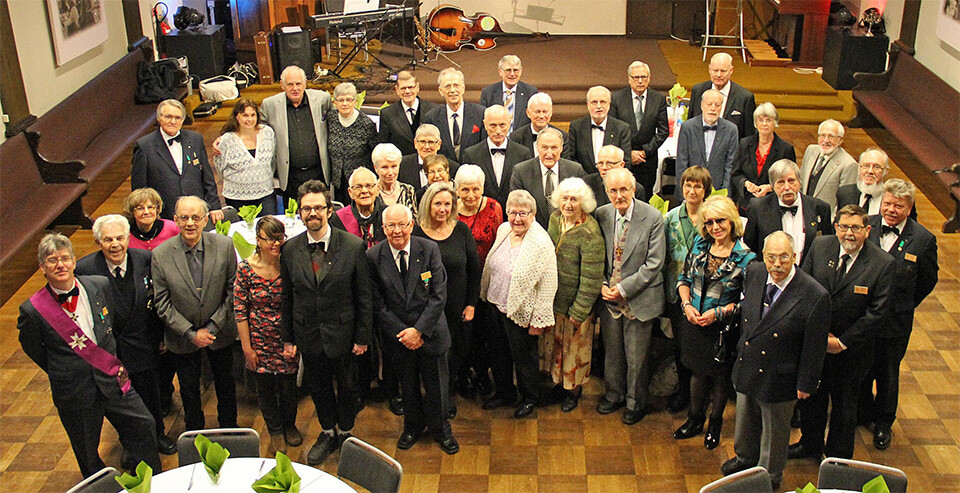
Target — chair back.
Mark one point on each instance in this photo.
(369, 467)
(847, 474)
(755, 480)
(240, 442)
(102, 481)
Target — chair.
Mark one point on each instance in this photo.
(847, 474)
(755, 480)
(102, 481)
(369, 467)
(240, 442)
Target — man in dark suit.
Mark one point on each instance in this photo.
(510, 92)
(786, 209)
(66, 328)
(590, 133)
(867, 192)
(427, 143)
(400, 121)
(783, 331)
(174, 162)
(609, 158)
(193, 278)
(326, 310)
(914, 250)
(410, 289)
(136, 327)
(859, 276)
(709, 141)
(497, 155)
(645, 110)
(460, 122)
(738, 102)
(540, 112)
(540, 176)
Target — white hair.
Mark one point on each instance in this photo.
(721, 57)
(779, 170)
(901, 189)
(495, 110)
(617, 152)
(884, 158)
(345, 89)
(357, 173)
(383, 151)
(171, 102)
(427, 129)
(189, 198)
(115, 219)
(614, 173)
(540, 98)
(450, 72)
(768, 110)
(290, 70)
(833, 122)
(51, 244)
(548, 130)
(521, 198)
(578, 188)
(509, 60)
(777, 234)
(637, 64)
(596, 89)
(390, 208)
(469, 174)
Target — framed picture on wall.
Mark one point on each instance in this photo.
(948, 23)
(76, 27)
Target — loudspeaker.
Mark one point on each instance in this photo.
(203, 46)
(294, 49)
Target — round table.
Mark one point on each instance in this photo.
(239, 473)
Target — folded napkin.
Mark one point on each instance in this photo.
(281, 478)
(291, 209)
(249, 213)
(139, 483)
(222, 228)
(809, 488)
(659, 204)
(876, 485)
(243, 247)
(213, 455)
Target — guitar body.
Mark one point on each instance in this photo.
(451, 30)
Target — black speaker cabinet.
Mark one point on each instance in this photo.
(846, 53)
(294, 49)
(203, 46)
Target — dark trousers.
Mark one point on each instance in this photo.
(889, 352)
(645, 173)
(147, 385)
(269, 203)
(839, 386)
(130, 417)
(522, 357)
(390, 369)
(297, 177)
(166, 370)
(334, 408)
(188, 372)
(479, 355)
(426, 410)
(460, 345)
(277, 396)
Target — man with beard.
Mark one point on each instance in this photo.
(867, 192)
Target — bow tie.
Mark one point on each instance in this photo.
(598, 127)
(792, 209)
(171, 140)
(320, 244)
(707, 128)
(884, 229)
(65, 297)
(499, 150)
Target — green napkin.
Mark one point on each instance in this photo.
(222, 228)
(876, 485)
(281, 478)
(659, 204)
(249, 213)
(360, 97)
(291, 208)
(722, 192)
(213, 455)
(384, 105)
(139, 483)
(244, 248)
(809, 488)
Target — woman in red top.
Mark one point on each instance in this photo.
(755, 155)
(147, 230)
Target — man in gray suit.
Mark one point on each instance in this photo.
(633, 292)
(193, 292)
(709, 141)
(300, 130)
(540, 175)
(826, 166)
(496, 155)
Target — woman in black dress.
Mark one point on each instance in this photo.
(755, 155)
(351, 136)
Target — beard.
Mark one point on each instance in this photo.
(874, 190)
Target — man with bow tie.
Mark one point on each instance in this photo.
(174, 162)
(66, 328)
(709, 141)
(590, 133)
(497, 155)
(802, 217)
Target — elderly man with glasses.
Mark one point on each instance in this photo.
(826, 166)
(460, 122)
(427, 142)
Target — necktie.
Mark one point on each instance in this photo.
(196, 268)
(707, 128)
(508, 100)
(638, 113)
(548, 189)
(65, 297)
(768, 296)
(117, 273)
(171, 140)
(884, 229)
(842, 268)
(402, 258)
(792, 209)
(598, 127)
(815, 175)
(317, 252)
(456, 130)
(498, 150)
(620, 222)
(866, 202)
(413, 115)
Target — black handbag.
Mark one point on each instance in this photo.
(725, 347)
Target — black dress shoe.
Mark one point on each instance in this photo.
(632, 416)
(795, 419)
(801, 451)
(452, 413)
(166, 446)
(882, 437)
(607, 407)
(449, 445)
(326, 443)
(678, 402)
(497, 401)
(465, 387)
(570, 401)
(292, 436)
(524, 410)
(712, 438)
(407, 439)
(396, 405)
(692, 427)
(735, 465)
(482, 382)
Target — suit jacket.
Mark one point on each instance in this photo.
(653, 129)
(764, 218)
(644, 253)
(410, 168)
(331, 311)
(691, 150)
(153, 167)
(524, 137)
(472, 130)
(412, 302)
(916, 269)
(745, 167)
(840, 170)
(479, 154)
(493, 94)
(74, 383)
(860, 299)
(850, 194)
(137, 328)
(183, 309)
(739, 110)
(789, 342)
(526, 175)
(581, 139)
(273, 110)
(600, 192)
(396, 129)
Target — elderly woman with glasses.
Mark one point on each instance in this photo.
(386, 159)
(437, 170)
(565, 351)
(757, 152)
(710, 288)
(520, 280)
(147, 229)
(246, 159)
(351, 136)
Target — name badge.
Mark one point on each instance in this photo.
(425, 276)
(860, 290)
(910, 257)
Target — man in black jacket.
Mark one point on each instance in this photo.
(645, 110)
(497, 155)
(400, 121)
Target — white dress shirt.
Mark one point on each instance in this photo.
(122, 265)
(406, 109)
(792, 224)
(887, 240)
(853, 258)
(873, 208)
(780, 285)
(496, 158)
(82, 315)
(423, 176)
(396, 255)
(459, 114)
(726, 95)
(597, 135)
(617, 232)
(175, 148)
(639, 102)
(554, 177)
(325, 239)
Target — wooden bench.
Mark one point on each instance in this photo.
(921, 111)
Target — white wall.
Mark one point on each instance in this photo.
(567, 16)
(936, 55)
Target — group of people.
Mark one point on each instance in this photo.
(491, 278)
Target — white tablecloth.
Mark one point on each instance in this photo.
(237, 476)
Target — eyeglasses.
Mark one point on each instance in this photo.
(308, 209)
(452, 85)
(363, 186)
(396, 226)
(843, 228)
(144, 208)
(874, 167)
(53, 261)
(426, 142)
(720, 221)
(783, 258)
(639, 77)
(620, 191)
(598, 102)
(828, 136)
(195, 218)
(344, 100)
(608, 164)
(276, 241)
(520, 214)
(171, 118)
(688, 185)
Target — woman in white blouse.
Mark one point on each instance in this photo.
(246, 159)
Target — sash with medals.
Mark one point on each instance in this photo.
(68, 330)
